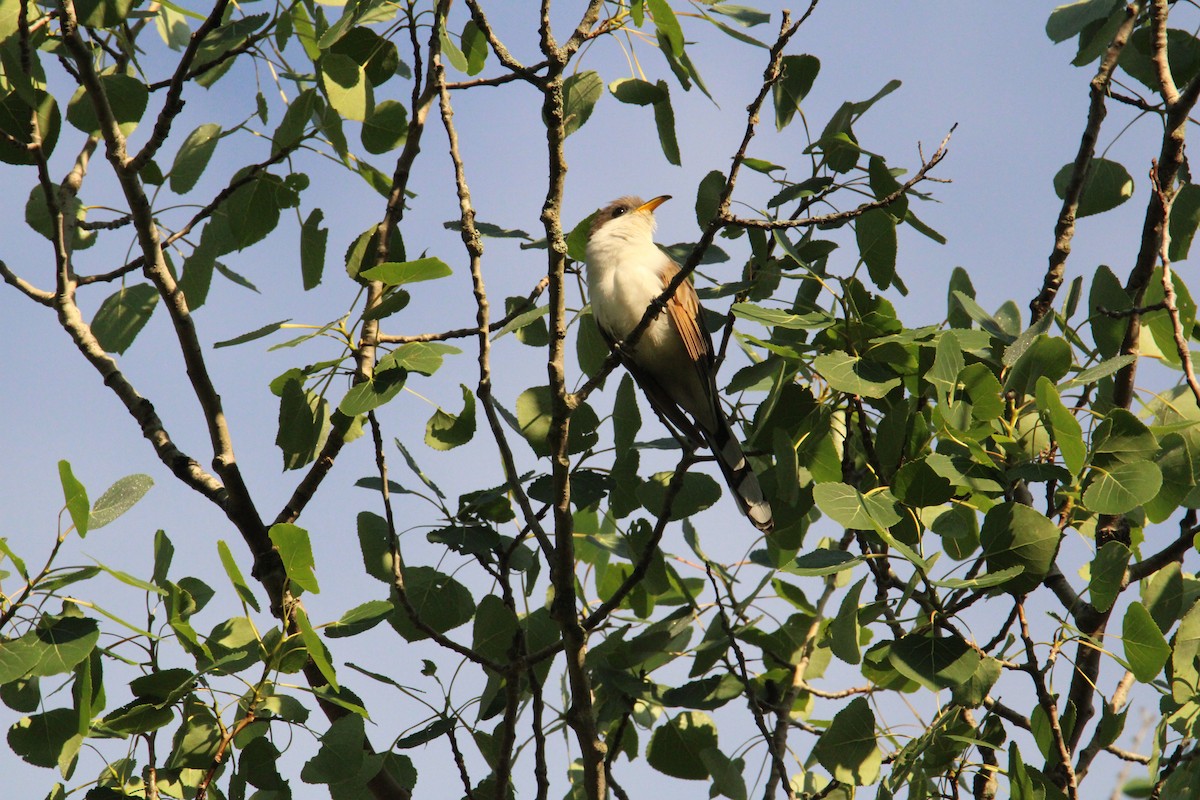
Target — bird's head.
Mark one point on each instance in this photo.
(626, 218)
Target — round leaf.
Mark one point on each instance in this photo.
(1146, 649)
(16, 126)
(1120, 488)
(849, 748)
(385, 128)
(439, 601)
(1106, 186)
(126, 96)
(534, 413)
(675, 748)
(1016, 535)
(698, 492)
(346, 86)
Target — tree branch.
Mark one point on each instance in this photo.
(1064, 230)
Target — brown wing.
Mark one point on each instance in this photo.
(685, 313)
(688, 319)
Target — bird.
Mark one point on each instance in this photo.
(673, 361)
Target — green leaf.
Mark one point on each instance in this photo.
(119, 498)
(193, 157)
(1109, 294)
(303, 423)
(424, 358)
(102, 13)
(1014, 534)
(1120, 488)
(675, 747)
(127, 98)
(313, 240)
(534, 409)
(530, 328)
(1185, 217)
(474, 47)
(122, 316)
(437, 728)
(1048, 357)
(972, 692)
(385, 128)
(318, 652)
(258, 333)
(853, 375)
(296, 121)
(76, 498)
(843, 629)
(373, 393)
(393, 301)
(447, 431)
(16, 125)
(667, 24)
(637, 92)
(373, 541)
(249, 214)
(726, 774)
(918, 484)
(345, 84)
(394, 273)
(849, 748)
(884, 184)
(51, 739)
(935, 662)
(1183, 56)
(853, 510)
(1067, 432)
(986, 580)
(360, 618)
(56, 645)
(1106, 186)
(664, 122)
(698, 492)
(440, 602)
(235, 575)
(1107, 573)
(1185, 677)
(797, 74)
(708, 197)
(495, 629)
(578, 237)
(296, 553)
(1070, 19)
(453, 53)
(1146, 649)
(1124, 437)
(823, 562)
(378, 57)
(591, 348)
(778, 318)
(581, 92)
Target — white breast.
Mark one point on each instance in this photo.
(624, 276)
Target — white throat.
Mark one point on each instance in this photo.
(624, 271)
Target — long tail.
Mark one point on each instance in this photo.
(739, 476)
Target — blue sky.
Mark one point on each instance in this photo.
(989, 68)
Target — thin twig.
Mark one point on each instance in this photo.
(1046, 701)
(1064, 230)
(462, 333)
(1169, 299)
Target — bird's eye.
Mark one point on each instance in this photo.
(619, 210)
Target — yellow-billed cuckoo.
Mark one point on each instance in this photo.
(673, 360)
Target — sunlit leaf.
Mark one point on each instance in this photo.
(1146, 649)
(849, 748)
